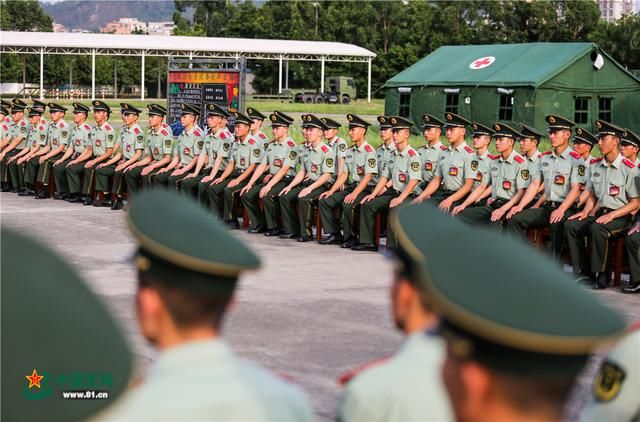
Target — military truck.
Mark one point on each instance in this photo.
(339, 89)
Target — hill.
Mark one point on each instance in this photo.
(91, 15)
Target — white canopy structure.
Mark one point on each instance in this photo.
(176, 46)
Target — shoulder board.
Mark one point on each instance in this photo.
(595, 160)
(43, 121)
(546, 153)
(164, 132)
(41, 128)
(411, 152)
(325, 148)
(62, 125)
(349, 375)
(23, 123)
(222, 135)
(136, 130)
(252, 141)
(519, 159)
(468, 149)
(444, 148)
(262, 135)
(493, 157)
(575, 155)
(5, 127)
(368, 148)
(291, 144)
(165, 125)
(197, 132)
(87, 127)
(107, 127)
(628, 163)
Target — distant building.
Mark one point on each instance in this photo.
(613, 10)
(161, 28)
(124, 26)
(58, 27)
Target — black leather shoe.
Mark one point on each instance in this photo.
(586, 279)
(106, 203)
(273, 232)
(303, 238)
(369, 247)
(631, 288)
(5, 187)
(75, 198)
(288, 235)
(27, 192)
(332, 239)
(43, 194)
(57, 195)
(601, 281)
(257, 229)
(117, 205)
(348, 244)
(88, 200)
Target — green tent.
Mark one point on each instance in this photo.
(518, 83)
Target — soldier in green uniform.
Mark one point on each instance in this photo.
(36, 139)
(79, 344)
(529, 141)
(159, 142)
(630, 146)
(563, 180)
(482, 160)
(315, 176)
(184, 291)
(614, 196)
(77, 152)
(431, 151)
(398, 184)
(34, 165)
(246, 156)
(196, 183)
(256, 127)
(632, 243)
(58, 139)
(507, 180)
(17, 140)
(127, 152)
(455, 174)
(103, 144)
(274, 173)
(393, 388)
(338, 144)
(190, 148)
(518, 361)
(354, 182)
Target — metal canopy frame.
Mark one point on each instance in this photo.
(106, 50)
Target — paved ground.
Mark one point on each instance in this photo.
(311, 312)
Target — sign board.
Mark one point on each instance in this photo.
(200, 82)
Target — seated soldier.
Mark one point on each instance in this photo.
(398, 185)
(360, 166)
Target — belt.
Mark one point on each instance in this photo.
(604, 210)
(552, 204)
(498, 203)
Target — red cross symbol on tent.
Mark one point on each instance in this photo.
(482, 62)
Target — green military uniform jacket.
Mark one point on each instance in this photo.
(38, 135)
(59, 133)
(532, 166)
(384, 153)
(339, 146)
(261, 139)
(613, 184)
(246, 152)
(20, 128)
(190, 144)
(403, 167)
(481, 165)
(559, 172)
(159, 142)
(80, 138)
(102, 138)
(430, 156)
(131, 139)
(360, 162)
(320, 160)
(455, 166)
(508, 176)
(282, 153)
(220, 144)
(205, 380)
(407, 387)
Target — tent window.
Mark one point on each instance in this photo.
(604, 109)
(451, 105)
(505, 112)
(581, 110)
(404, 108)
